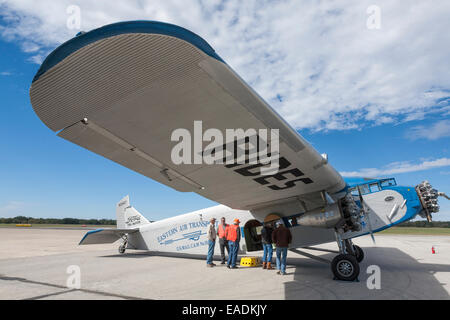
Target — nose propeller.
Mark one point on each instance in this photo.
(429, 199)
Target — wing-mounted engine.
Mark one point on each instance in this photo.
(344, 214)
(351, 214)
(327, 217)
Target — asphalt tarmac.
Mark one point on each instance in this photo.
(40, 264)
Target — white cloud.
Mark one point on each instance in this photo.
(37, 59)
(438, 130)
(397, 168)
(315, 62)
(30, 47)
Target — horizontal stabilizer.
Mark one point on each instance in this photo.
(102, 236)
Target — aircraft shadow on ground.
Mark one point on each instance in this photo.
(401, 277)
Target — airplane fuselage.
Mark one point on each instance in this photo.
(387, 205)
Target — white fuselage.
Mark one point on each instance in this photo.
(186, 234)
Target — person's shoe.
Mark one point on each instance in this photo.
(213, 264)
(269, 266)
(223, 262)
(235, 267)
(264, 265)
(228, 266)
(278, 272)
(210, 265)
(283, 273)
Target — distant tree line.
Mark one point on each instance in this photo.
(108, 222)
(29, 220)
(425, 224)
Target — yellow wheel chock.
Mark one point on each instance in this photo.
(250, 262)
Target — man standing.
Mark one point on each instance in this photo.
(266, 237)
(223, 242)
(211, 242)
(233, 234)
(282, 238)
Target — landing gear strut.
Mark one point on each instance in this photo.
(345, 266)
(124, 244)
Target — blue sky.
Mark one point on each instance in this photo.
(383, 111)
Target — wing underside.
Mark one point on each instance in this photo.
(135, 87)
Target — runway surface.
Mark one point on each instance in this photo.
(34, 265)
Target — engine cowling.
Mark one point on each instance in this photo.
(327, 217)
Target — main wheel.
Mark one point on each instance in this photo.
(122, 249)
(359, 253)
(345, 267)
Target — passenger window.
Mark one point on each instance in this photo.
(354, 192)
(374, 187)
(364, 189)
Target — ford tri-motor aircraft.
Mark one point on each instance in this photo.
(123, 89)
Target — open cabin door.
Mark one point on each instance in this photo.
(252, 235)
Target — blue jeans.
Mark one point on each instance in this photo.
(211, 245)
(281, 259)
(232, 254)
(268, 252)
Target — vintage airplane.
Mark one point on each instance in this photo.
(121, 90)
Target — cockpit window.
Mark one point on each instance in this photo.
(354, 192)
(364, 189)
(388, 183)
(374, 187)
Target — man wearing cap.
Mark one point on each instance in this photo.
(223, 242)
(233, 234)
(211, 242)
(282, 237)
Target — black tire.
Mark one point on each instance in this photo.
(359, 253)
(345, 267)
(122, 249)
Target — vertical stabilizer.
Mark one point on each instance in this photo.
(127, 216)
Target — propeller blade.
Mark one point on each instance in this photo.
(366, 214)
(371, 230)
(442, 194)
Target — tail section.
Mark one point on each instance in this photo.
(127, 216)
